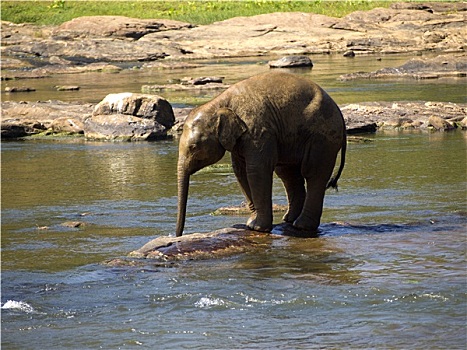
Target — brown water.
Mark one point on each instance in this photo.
(388, 270)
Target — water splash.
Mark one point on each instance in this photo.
(19, 306)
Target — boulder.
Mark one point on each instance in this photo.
(123, 127)
(131, 117)
(291, 62)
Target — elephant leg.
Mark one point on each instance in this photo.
(310, 216)
(317, 169)
(239, 169)
(259, 177)
(294, 185)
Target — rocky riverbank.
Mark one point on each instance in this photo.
(106, 42)
(151, 122)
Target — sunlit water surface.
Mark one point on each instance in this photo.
(388, 270)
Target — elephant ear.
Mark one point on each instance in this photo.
(231, 127)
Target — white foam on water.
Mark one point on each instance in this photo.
(18, 305)
(209, 302)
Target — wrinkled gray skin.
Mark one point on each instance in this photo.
(271, 122)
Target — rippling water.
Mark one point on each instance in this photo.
(388, 270)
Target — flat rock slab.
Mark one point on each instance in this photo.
(443, 66)
(106, 39)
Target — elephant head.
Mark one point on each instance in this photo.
(206, 135)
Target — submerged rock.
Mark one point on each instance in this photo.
(223, 242)
(67, 87)
(19, 89)
(215, 244)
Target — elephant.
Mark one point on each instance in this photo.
(272, 122)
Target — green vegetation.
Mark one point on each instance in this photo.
(196, 12)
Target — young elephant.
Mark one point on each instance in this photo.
(271, 122)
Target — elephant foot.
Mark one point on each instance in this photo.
(305, 225)
(254, 224)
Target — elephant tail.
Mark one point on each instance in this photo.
(333, 181)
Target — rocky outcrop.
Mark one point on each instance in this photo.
(21, 119)
(405, 116)
(124, 116)
(112, 39)
(395, 30)
(108, 123)
(442, 66)
(130, 117)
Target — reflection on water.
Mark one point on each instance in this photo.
(387, 271)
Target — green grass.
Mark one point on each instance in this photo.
(195, 12)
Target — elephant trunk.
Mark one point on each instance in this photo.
(183, 186)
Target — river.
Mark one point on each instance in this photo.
(388, 270)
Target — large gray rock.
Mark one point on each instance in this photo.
(130, 117)
(123, 127)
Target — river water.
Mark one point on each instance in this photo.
(388, 270)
